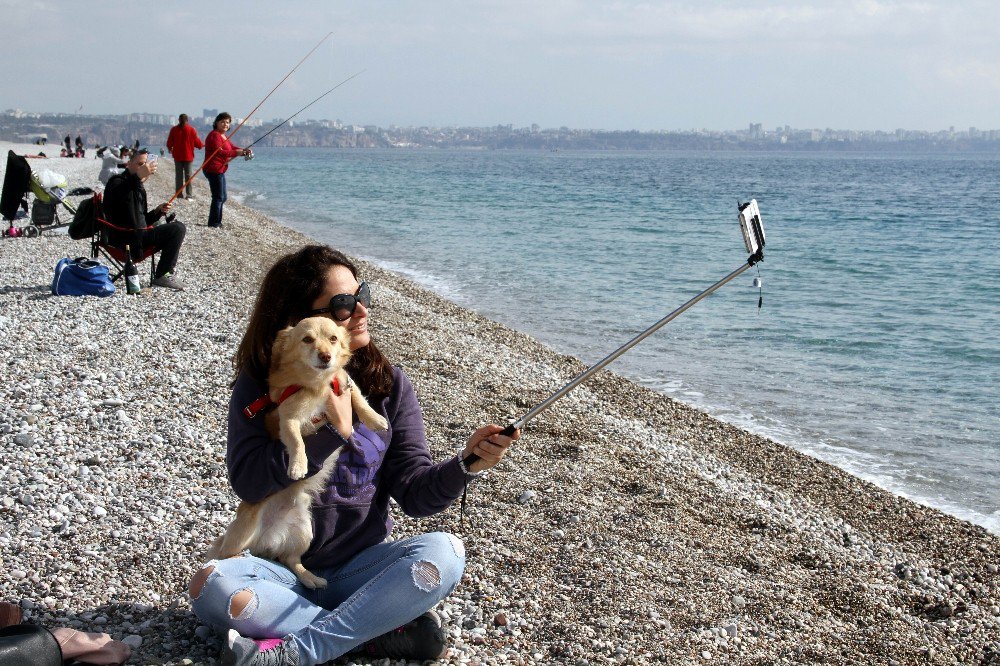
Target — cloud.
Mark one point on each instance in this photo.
(575, 62)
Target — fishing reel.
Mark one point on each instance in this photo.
(248, 156)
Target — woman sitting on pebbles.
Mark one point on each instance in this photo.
(379, 593)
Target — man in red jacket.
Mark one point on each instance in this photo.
(181, 142)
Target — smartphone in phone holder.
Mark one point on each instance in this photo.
(753, 230)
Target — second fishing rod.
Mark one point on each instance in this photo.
(208, 158)
(266, 134)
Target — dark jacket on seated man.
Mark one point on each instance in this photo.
(125, 207)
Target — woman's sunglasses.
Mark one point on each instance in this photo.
(342, 306)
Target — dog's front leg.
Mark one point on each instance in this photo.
(291, 437)
(308, 578)
(365, 413)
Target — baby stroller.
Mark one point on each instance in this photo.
(49, 190)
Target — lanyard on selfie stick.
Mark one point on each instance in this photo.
(753, 238)
(247, 117)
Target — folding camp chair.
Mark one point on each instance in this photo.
(100, 245)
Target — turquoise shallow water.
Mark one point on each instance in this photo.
(877, 346)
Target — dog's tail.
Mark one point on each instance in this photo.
(315, 484)
(239, 535)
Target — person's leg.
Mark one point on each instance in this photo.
(168, 238)
(216, 184)
(225, 195)
(256, 597)
(187, 177)
(178, 175)
(382, 588)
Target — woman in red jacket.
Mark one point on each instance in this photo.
(218, 151)
(181, 142)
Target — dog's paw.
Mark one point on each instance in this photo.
(377, 422)
(297, 468)
(312, 581)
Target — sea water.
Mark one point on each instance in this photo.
(876, 348)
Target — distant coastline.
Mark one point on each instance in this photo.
(151, 129)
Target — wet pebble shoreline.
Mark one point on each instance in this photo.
(625, 528)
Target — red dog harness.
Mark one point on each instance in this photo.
(264, 402)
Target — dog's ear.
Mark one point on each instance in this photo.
(343, 348)
(343, 341)
(278, 347)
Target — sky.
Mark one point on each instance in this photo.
(588, 64)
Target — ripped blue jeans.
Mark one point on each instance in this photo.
(379, 589)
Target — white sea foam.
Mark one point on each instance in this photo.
(248, 197)
(879, 470)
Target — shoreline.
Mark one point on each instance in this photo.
(927, 454)
(625, 527)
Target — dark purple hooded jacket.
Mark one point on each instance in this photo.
(353, 512)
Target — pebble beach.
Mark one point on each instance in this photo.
(623, 528)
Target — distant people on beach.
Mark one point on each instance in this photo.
(112, 161)
(80, 151)
(125, 206)
(379, 594)
(219, 150)
(182, 142)
(69, 148)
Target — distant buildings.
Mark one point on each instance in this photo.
(152, 128)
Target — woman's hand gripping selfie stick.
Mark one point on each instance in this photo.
(753, 238)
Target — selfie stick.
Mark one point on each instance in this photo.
(753, 238)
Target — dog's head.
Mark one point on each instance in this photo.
(316, 346)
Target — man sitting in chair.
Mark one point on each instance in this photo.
(125, 207)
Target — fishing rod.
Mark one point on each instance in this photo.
(245, 119)
(303, 109)
(753, 239)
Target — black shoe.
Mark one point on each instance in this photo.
(419, 639)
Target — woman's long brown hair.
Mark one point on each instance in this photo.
(287, 294)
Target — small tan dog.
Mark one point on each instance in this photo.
(311, 356)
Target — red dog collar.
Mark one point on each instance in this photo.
(264, 402)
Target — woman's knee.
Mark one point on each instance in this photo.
(439, 564)
(210, 589)
(198, 581)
